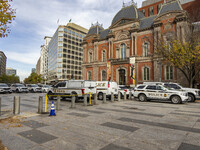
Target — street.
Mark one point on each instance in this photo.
(122, 125)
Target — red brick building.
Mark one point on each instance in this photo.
(125, 51)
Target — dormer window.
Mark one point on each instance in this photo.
(151, 11)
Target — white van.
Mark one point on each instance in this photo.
(73, 87)
(106, 87)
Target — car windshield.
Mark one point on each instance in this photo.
(3, 85)
(20, 85)
(46, 86)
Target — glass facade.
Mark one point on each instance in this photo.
(66, 54)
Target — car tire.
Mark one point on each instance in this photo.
(176, 99)
(17, 91)
(100, 96)
(50, 97)
(191, 98)
(142, 98)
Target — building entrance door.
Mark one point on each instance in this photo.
(122, 77)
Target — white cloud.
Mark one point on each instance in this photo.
(27, 58)
(22, 73)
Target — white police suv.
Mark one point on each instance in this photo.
(146, 92)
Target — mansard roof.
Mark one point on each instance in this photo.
(104, 33)
(95, 29)
(170, 6)
(130, 12)
(147, 22)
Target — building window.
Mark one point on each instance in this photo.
(159, 7)
(89, 75)
(90, 56)
(145, 49)
(104, 56)
(146, 71)
(143, 11)
(151, 11)
(103, 75)
(169, 73)
(123, 51)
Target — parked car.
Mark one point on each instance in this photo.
(106, 87)
(45, 88)
(193, 94)
(4, 88)
(127, 89)
(146, 92)
(34, 88)
(19, 88)
(73, 87)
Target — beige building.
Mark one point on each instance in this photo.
(11, 71)
(44, 57)
(3, 59)
(65, 53)
(38, 66)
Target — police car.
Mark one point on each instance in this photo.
(158, 92)
(193, 94)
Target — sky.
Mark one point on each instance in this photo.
(36, 19)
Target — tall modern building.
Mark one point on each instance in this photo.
(3, 59)
(44, 57)
(11, 71)
(38, 65)
(65, 53)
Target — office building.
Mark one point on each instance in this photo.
(11, 71)
(65, 53)
(44, 57)
(3, 59)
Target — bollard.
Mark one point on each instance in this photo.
(90, 102)
(85, 100)
(119, 96)
(0, 106)
(73, 102)
(104, 97)
(124, 96)
(112, 97)
(130, 95)
(58, 103)
(16, 105)
(40, 105)
(95, 99)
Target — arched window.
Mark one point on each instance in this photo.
(169, 73)
(89, 76)
(123, 51)
(146, 73)
(103, 55)
(145, 49)
(103, 75)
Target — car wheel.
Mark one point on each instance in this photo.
(176, 99)
(142, 97)
(50, 97)
(191, 98)
(17, 91)
(100, 96)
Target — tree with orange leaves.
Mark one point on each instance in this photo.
(7, 15)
